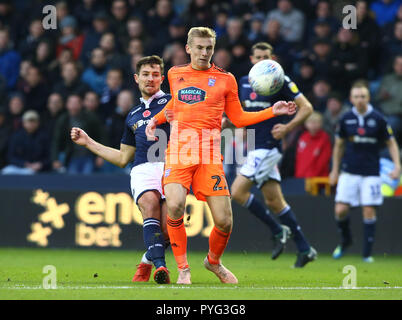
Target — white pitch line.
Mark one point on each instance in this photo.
(194, 288)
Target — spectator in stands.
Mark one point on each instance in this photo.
(390, 97)
(321, 31)
(62, 10)
(220, 23)
(114, 84)
(323, 13)
(234, 34)
(369, 34)
(55, 108)
(322, 58)
(64, 153)
(256, 31)
(388, 29)
(70, 82)
(85, 12)
(69, 37)
(385, 10)
(95, 75)
(28, 149)
(392, 46)
(305, 77)
(43, 58)
(9, 60)
(222, 58)
(91, 102)
(321, 90)
(313, 149)
(119, 18)
(333, 112)
(349, 60)
(135, 30)
(36, 91)
(290, 19)
(100, 25)
(199, 13)
(55, 67)
(113, 55)
(36, 33)
(5, 134)
(16, 106)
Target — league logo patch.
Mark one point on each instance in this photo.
(191, 95)
(146, 113)
(162, 101)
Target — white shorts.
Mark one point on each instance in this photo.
(262, 165)
(145, 177)
(357, 190)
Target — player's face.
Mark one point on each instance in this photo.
(360, 97)
(260, 55)
(201, 51)
(149, 80)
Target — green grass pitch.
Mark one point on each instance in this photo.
(106, 274)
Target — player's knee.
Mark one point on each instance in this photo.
(150, 209)
(176, 210)
(239, 197)
(224, 224)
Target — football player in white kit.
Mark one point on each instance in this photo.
(361, 134)
(146, 173)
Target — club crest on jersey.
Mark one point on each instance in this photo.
(191, 95)
(211, 82)
(146, 113)
(162, 101)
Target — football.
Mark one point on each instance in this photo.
(266, 77)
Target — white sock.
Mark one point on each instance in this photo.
(145, 260)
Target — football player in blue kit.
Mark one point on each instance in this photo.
(147, 167)
(360, 137)
(261, 167)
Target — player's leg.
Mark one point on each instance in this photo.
(176, 200)
(275, 201)
(343, 225)
(369, 222)
(149, 204)
(221, 211)
(240, 190)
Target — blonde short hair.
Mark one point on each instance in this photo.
(200, 32)
(315, 116)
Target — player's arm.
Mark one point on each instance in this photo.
(305, 108)
(241, 118)
(337, 154)
(166, 114)
(393, 149)
(119, 158)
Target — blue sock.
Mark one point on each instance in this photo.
(344, 230)
(288, 218)
(259, 210)
(154, 242)
(369, 232)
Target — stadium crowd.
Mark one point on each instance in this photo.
(81, 74)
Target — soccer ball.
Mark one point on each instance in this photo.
(266, 77)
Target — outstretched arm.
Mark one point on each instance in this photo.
(119, 158)
(241, 118)
(394, 153)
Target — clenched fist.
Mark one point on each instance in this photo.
(79, 136)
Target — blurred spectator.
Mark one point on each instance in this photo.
(256, 31)
(321, 90)
(234, 35)
(290, 19)
(135, 30)
(392, 46)
(369, 34)
(321, 31)
(174, 55)
(100, 25)
(240, 60)
(390, 96)
(119, 18)
(95, 75)
(54, 109)
(313, 149)
(28, 149)
(5, 133)
(16, 108)
(222, 58)
(9, 60)
(199, 13)
(349, 60)
(113, 56)
(321, 58)
(333, 112)
(388, 29)
(323, 13)
(43, 58)
(55, 67)
(35, 91)
(70, 82)
(69, 37)
(91, 102)
(385, 10)
(305, 77)
(62, 10)
(85, 12)
(220, 23)
(64, 152)
(36, 33)
(273, 37)
(159, 20)
(114, 84)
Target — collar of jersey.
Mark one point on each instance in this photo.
(159, 94)
(359, 116)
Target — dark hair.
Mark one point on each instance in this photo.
(262, 46)
(151, 60)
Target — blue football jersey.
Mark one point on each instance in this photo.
(136, 122)
(251, 101)
(364, 135)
